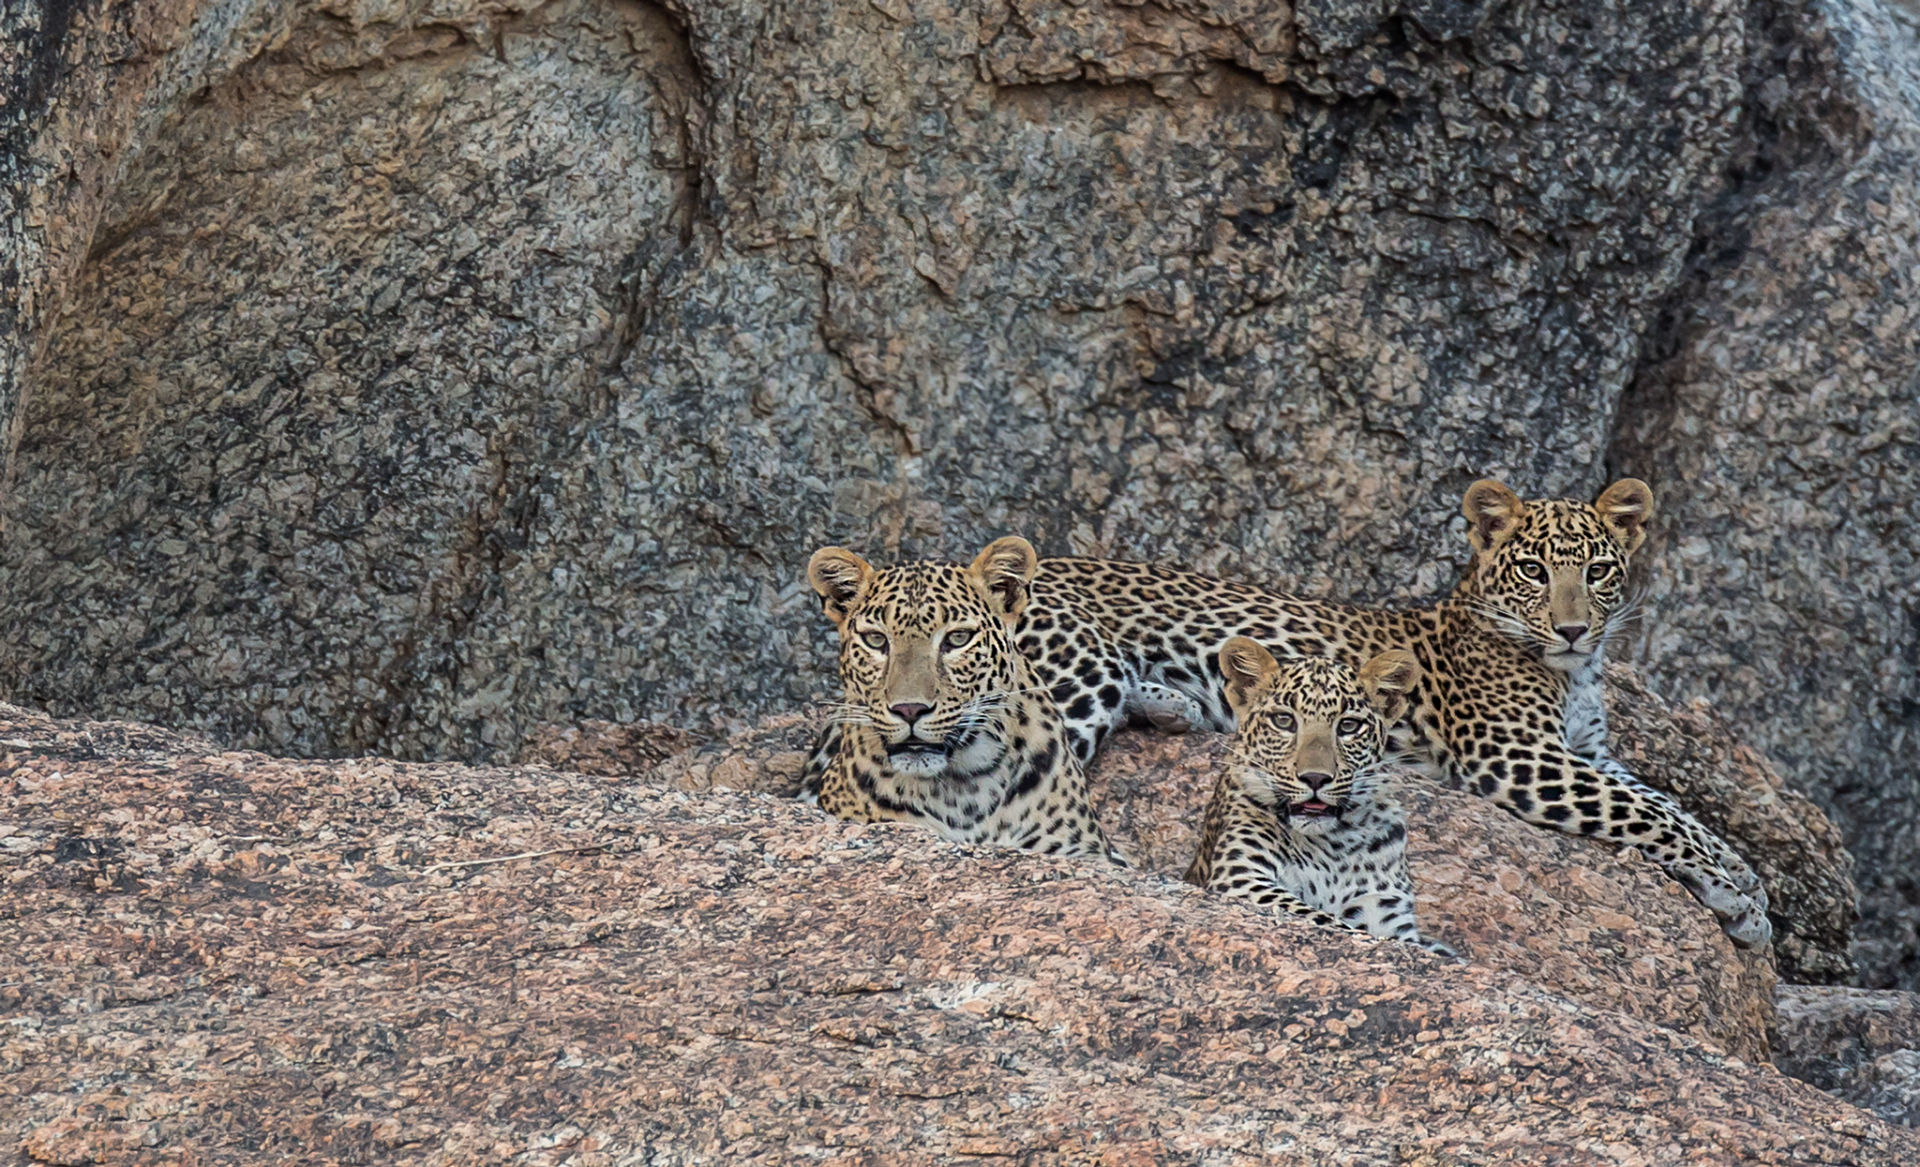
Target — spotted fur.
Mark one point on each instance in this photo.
(1509, 704)
(1300, 820)
(944, 723)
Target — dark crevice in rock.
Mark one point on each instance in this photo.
(31, 68)
(874, 397)
(38, 60)
(680, 85)
(29, 90)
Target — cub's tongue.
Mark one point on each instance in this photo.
(1312, 806)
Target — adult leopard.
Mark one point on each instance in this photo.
(944, 724)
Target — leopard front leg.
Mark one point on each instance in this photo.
(1267, 894)
(1387, 911)
(1548, 785)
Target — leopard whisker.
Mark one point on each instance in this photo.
(1629, 613)
(1510, 625)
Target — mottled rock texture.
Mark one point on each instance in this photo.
(225, 958)
(601, 747)
(1696, 755)
(443, 369)
(400, 375)
(1861, 1044)
(1779, 412)
(71, 78)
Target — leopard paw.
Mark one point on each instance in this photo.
(1750, 929)
(1742, 911)
(1167, 709)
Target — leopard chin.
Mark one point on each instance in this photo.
(919, 759)
(1566, 662)
(1313, 817)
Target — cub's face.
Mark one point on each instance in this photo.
(1311, 729)
(1551, 575)
(926, 651)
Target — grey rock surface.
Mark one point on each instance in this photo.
(422, 372)
(1779, 411)
(441, 370)
(72, 78)
(1861, 1044)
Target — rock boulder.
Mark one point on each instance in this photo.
(223, 957)
(1861, 1044)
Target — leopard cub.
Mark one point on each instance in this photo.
(1299, 820)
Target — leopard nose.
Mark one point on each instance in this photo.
(909, 711)
(1315, 779)
(1571, 632)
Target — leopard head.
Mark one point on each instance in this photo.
(927, 657)
(1551, 575)
(1312, 732)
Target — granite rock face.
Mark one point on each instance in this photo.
(1861, 1044)
(1778, 414)
(218, 956)
(404, 375)
(441, 369)
(72, 79)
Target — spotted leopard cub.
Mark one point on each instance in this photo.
(944, 724)
(1299, 821)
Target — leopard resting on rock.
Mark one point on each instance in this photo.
(1300, 820)
(1508, 704)
(944, 724)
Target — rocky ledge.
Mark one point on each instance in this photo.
(1861, 1044)
(224, 957)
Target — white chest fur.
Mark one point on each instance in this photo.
(1586, 711)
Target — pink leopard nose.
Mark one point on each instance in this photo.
(909, 711)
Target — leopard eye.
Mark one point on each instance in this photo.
(958, 639)
(1598, 572)
(877, 641)
(1283, 722)
(1533, 570)
(1349, 726)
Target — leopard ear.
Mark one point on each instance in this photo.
(1493, 513)
(1003, 571)
(1246, 665)
(1387, 679)
(1625, 509)
(839, 576)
